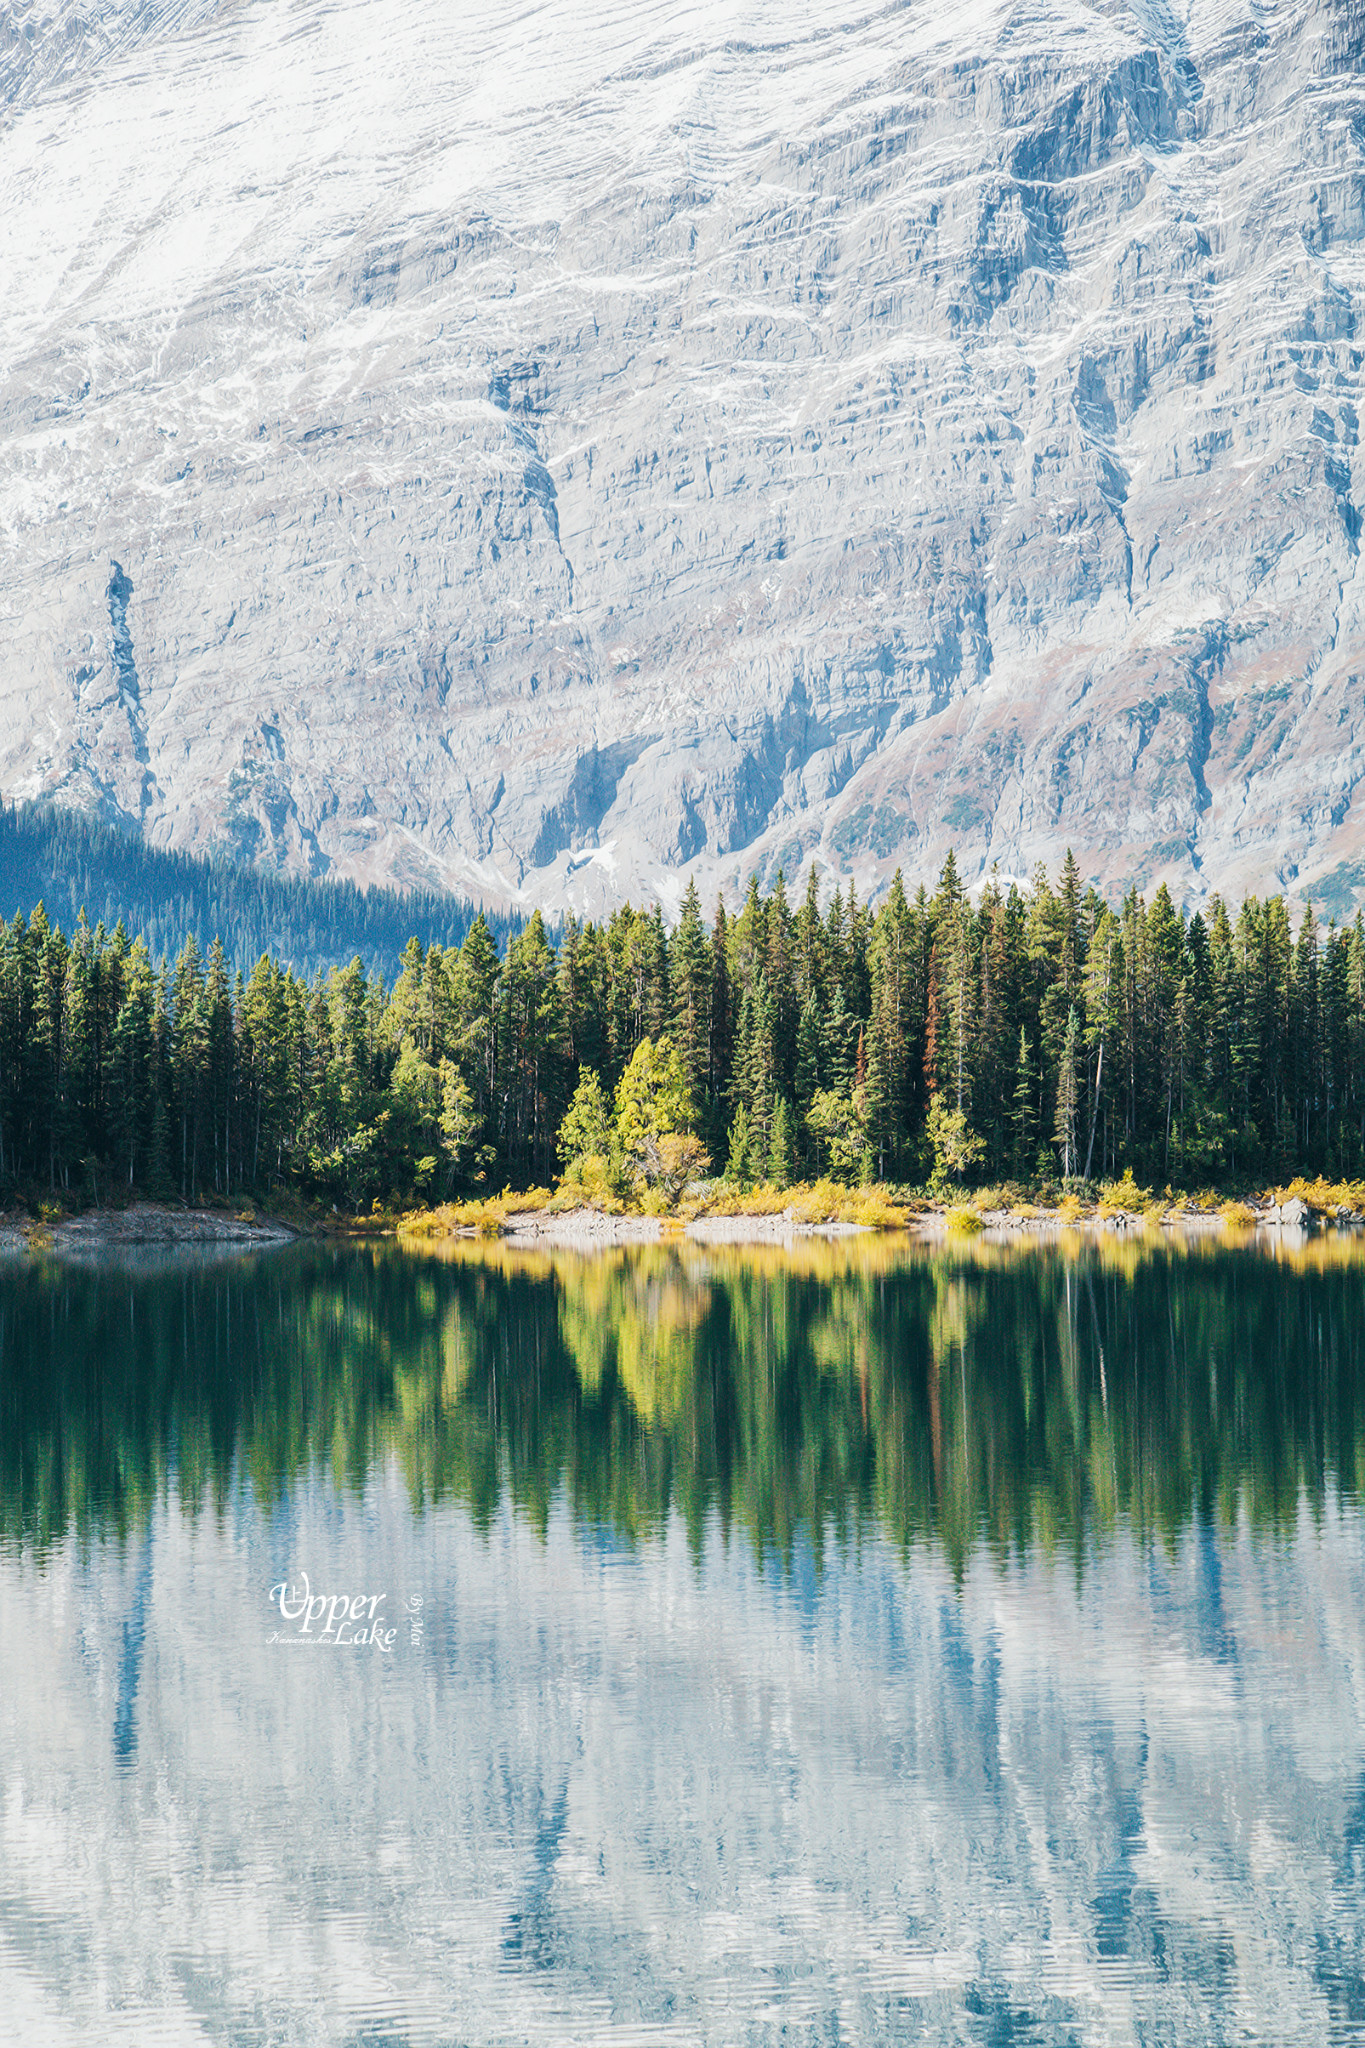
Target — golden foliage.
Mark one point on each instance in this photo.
(1125, 1198)
(821, 1201)
(484, 1218)
(1324, 1197)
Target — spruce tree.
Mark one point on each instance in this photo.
(535, 1066)
(1304, 1050)
(780, 1151)
(721, 1028)
(219, 1070)
(840, 1042)
(131, 1073)
(809, 944)
(886, 1063)
(749, 939)
(1023, 1115)
(809, 1054)
(779, 973)
(1064, 1128)
(738, 1165)
(475, 984)
(690, 977)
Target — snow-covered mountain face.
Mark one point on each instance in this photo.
(562, 447)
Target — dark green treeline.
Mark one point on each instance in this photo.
(68, 860)
(954, 1398)
(1030, 1034)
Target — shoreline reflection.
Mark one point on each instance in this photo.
(961, 1396)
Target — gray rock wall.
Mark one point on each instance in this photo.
(555, 451)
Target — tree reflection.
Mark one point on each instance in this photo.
(1017, 1398)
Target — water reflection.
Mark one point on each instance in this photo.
(858, 1644)
(987, 1395)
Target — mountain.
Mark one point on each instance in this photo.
(548, 451)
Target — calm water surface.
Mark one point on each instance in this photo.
(846, 1644)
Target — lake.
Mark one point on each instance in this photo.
(846, 1643)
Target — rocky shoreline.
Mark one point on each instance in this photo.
(149, 1225)
(589, 1228)
(144, 1224)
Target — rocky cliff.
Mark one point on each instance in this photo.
(555, 450)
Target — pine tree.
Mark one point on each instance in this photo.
(836, 952)
(11, 1049)
(1353, 1088)
(809, 1054)
(160, 1173)
(407, 1016)
(1335, 1012)
(885, 1084)
(953, 997)
(690, 977)
(755, 1067)
(572, 985)
(535, 1065)
(1304, 1050)
(189, 1057)
(809, 945)
(780, 1154)
(1101, 982)
(644, 965)
(779, 973)
(44, 968)
(1064, 1130)
(1023, 1116)
(994, 1049)
(474, 977)
(738, 1166)
(749, 939)
(857, 977)
(219, 1067)
(78, 1134)
(722, 1026)
(131, 1073)
(266, 1071)
(840, 1043)
(1223, 1057)
(1070, 953)
(1165, 963)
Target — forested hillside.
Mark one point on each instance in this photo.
(1037, 1034)
(69, 863)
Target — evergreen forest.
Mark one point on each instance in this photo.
(1033, 1034)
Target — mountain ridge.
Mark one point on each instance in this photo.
(554, 455)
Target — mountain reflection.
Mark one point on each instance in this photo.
(1016, 1398)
